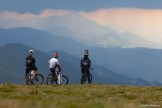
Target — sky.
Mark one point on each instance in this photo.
(141, 17)
(84, 5)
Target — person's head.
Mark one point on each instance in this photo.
(31, 52)
(55, 55)
(86, 54)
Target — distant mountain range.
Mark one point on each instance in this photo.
(39, 39)
(82, 30)
(126, 63)
(134, 62)
(12, 66)
(88, 32)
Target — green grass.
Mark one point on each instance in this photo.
(79, 96)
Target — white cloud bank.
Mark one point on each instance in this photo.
(145, 23)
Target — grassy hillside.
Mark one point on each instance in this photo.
(79, 96)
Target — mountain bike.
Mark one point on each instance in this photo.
(58, 79)
(33, 78)
(84, 77)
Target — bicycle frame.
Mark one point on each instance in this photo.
(59, 77)
(33, 72)
(34, 78)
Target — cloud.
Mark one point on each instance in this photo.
(10, 19)
(31, 16)
(143, 22)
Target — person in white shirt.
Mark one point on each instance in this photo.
(54, 64)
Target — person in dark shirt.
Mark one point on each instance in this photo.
(30, 62)
(85, 65)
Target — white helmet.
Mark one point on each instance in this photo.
(31, 51)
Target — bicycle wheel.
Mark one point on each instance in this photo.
(38, 79)
(64, 80)
(51, 79)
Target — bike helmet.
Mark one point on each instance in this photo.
(55, 54)
(31, 51)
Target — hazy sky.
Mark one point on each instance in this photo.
(84, 5)
(141, 17)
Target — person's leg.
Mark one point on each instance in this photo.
(88, 74)
(26, 73)
(54, 73)
(34, 70)
(82, 73)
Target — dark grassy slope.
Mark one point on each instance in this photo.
(79, 96)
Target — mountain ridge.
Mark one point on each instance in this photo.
(12, 66)
(45, 41)
(92, 32)
(133, 62)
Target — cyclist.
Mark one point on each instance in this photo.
(54, 64)
(30, 63)
(85, 65)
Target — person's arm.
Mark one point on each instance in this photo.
(33, 62)
(89, 63)
(26, 62)
(59, 67)
(81, 65)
